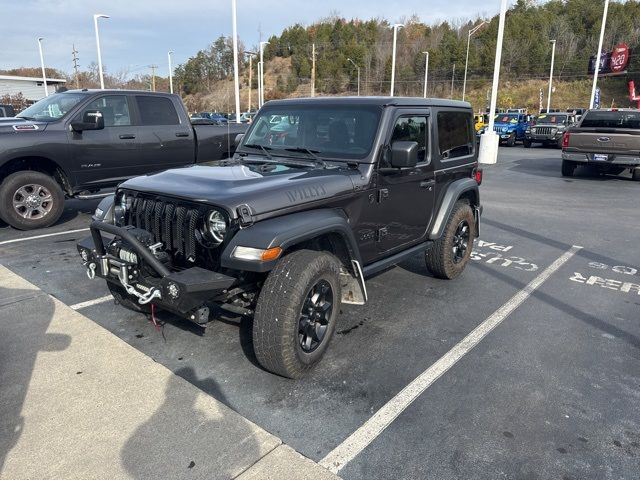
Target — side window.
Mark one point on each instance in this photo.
(412, 129)
(455, 134)
(156, 110)
(114, 108)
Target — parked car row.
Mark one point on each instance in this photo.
(218, 118)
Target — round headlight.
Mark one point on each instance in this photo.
(216, 226)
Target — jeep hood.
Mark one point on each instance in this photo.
(20, 125)
(277, 188)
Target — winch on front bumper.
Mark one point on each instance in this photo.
(131, 260)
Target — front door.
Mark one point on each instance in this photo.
(406, 197)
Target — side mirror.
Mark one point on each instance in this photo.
(404, 154)
(91, 120)
(238, 139)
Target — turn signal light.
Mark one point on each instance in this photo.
(565, 139)
(271, 254)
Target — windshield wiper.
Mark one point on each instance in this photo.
(261, 147)
(318, 161)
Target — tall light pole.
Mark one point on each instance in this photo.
(597, 69)
(393, 56)
(236, 77)
(489, 140)
(261, 73)
(553, 58)
(44, 73)
(95, 24)
(426, 73)
(251, 55)
(453, 77)
(466, 63)
(170, 71)
(358, 68)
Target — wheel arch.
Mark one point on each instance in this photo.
(37, 164)
(465, 188)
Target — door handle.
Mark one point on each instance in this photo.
(127, 136)
(428, 184)
(182, 134)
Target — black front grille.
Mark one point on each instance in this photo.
(174, 226)
(543, 130)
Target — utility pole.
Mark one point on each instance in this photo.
(236, 75)
(153, 77)
(313, 70)
(393, 57)
(453, 77)
(426, 74)
(466, 63)
(261, 73)
(251, 55)
(170, 71)
(95, 26)
(74, 52)
(553, 58)
(44, 73)
(597, 69)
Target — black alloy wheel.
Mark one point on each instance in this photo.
(461, 241)
(315, 315)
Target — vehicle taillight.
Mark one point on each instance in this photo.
(477, 176)
(565, 139)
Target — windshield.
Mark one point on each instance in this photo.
(53, 107)
(604, 119)
(555, 119)
(506, 118)
(333, 131)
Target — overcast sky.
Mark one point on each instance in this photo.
(140, 32)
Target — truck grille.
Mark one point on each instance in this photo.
(543, 130)
(175, 226)
(497, 129)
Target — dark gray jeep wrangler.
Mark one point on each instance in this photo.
(320, 194)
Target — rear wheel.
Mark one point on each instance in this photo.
(526, 143)
(296, 314)
(636, 174)
(30, 200)
(568, 167)
(451, 252)
(123, 298)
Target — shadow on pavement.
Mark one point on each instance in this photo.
(21, 338)
(548, 167)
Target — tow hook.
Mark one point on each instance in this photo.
(91, 271)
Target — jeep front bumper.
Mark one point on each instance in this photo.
(146, 279)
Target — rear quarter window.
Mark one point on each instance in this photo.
(455, 134)
(157, 111)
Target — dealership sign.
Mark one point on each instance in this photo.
(612, 63)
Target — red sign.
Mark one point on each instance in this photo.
(619, 58)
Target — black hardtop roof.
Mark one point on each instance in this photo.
(381, 101)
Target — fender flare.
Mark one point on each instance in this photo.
(104, 210)
(449, 199)
(285, 232)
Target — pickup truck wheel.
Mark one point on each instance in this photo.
(296, 313)
(568, 168)
(526, 143)
(511, 141)
(450, 253)
(124, 299)
(30, 200)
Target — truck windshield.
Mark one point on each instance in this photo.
(554, 119)
(609, 119)
(52, 108)
(327, 131)
(513, 118)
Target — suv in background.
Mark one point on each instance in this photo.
(548, 129)
(510, 127)
(289, 228)
(609, 140)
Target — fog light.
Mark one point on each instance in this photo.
(256, 254)
(173, 290)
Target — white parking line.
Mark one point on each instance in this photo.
(90, 303)
(16, 240)
(363, 436)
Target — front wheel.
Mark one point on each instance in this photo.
(568, 168)
(296, 314)
(526, 143)
(635, 174)
(30, 200)
(451, 252)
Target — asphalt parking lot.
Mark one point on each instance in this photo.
(552, 392)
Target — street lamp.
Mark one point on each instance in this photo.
(466, 63)
(95, 24)
(251, 55)
(393, 57)
(553, 58)
(426, 73)
(261, 75)
(44, 74)
(236, 79)
(358, 68)
(170, 71)
(597, 69)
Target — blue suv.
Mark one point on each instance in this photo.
(511, 127)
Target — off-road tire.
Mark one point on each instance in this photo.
(276, 320)
(568, 167)
(526, 143)
(511, 141)
(15, 181)
(440, 257)
(124, 299)
(635, 174)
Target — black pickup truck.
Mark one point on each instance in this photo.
(81, 141)
(320, 194)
